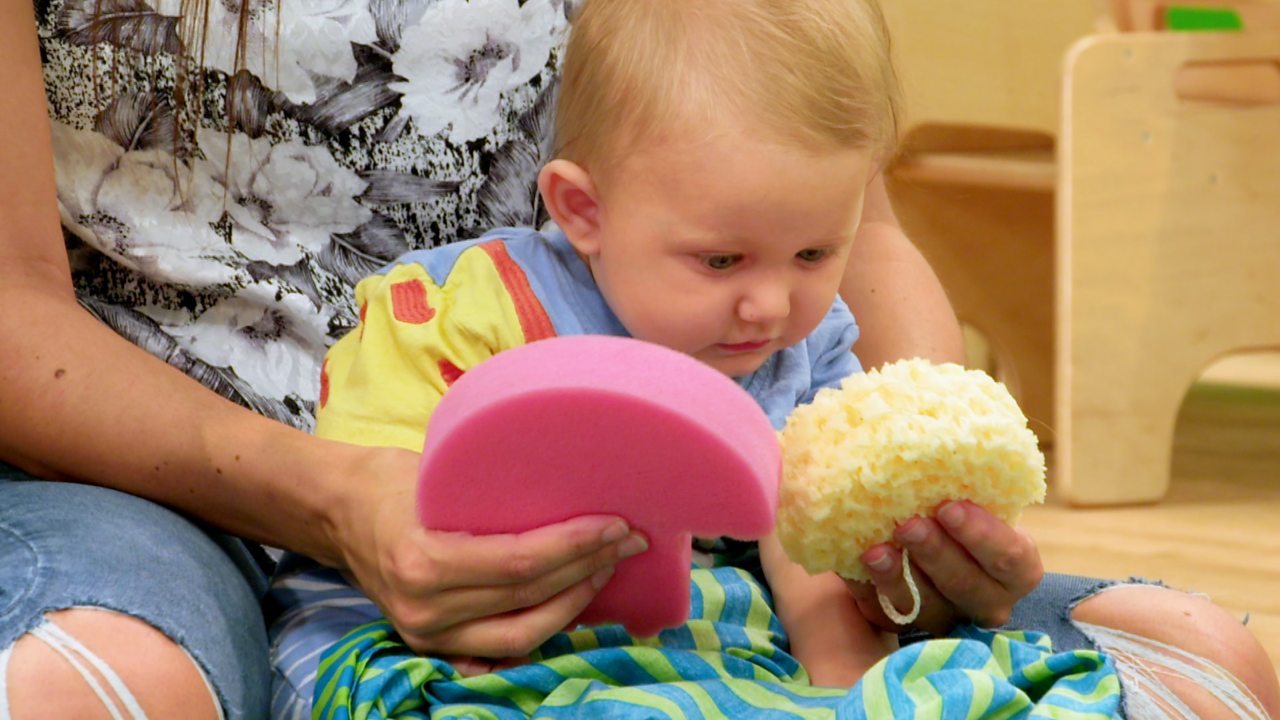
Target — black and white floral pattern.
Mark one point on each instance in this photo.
(228, 244)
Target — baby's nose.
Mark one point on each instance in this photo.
(765, 302)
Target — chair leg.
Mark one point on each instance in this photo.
(993, 251)
(1115, 431)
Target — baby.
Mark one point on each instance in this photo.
(710, 164)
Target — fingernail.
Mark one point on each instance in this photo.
(952, 515)
(880, 562)
(601, 578)
(914, 531)
(615, 532)
(633, 545)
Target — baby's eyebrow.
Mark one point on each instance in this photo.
(826, 243)
(712, 242)
(708, 241)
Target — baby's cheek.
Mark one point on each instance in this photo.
(803, 323)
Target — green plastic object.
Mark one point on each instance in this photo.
(1199, 19)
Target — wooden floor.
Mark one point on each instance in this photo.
(1218, 530)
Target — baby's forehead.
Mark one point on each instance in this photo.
(687, 141)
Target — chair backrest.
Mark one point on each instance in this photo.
(1178, 194)
(1168, 247)
(997, 64)
(987, 63)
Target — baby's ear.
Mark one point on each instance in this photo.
(571, 200)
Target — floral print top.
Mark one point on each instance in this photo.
(226, 241)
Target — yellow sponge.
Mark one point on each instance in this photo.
(894, 443)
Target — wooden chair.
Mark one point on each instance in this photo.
(974, 185)
(1168, 257)
(1001, 178)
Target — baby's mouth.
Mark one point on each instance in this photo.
(743, 347)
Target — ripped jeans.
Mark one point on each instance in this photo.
(65, 545)
(1140, 662)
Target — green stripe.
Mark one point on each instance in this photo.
(758, 617)
(567, 693)
(705, 636)
(875, 695)
(654, 662)
(712, 595)
(329, 698)
(983, 691)
(584, 640)
(463, 711)
(934, 657)
(1001, 653)
(576, 666)
(1109, 686)
(762, 695)
(636, 697)
(497, 686)
(702, 699)
(927, 700)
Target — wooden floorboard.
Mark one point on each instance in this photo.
(1217, 531)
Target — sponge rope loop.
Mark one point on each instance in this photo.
(889, 610)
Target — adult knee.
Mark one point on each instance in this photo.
(160, 675)
(1194, 625)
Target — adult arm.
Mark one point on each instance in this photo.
(975, 567)
(899, 303)
(79, 403)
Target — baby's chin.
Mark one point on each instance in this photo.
(737, 365)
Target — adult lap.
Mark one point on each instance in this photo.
(66, 545)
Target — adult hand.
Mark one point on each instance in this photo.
(968, 565)
(456, 594)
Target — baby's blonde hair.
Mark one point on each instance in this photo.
(813, 72)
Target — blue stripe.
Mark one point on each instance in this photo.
(679, 638)
(558, 645)
(853, 707)
(733, 706)
(738, 598)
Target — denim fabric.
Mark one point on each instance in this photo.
(1047, 609)
(67, 545)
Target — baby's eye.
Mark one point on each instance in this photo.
(813, 255)
(720, 261)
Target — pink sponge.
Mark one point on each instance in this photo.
(603, 425)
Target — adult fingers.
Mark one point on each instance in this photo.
(1008, 555)
(460, 605)
(864, 594)
(957, 576)
(464, 560)
(512, 634)
(937, 614)
(469, 666)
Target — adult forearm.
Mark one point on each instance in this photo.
(79, 403)
(900, 305)
(901, 308)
